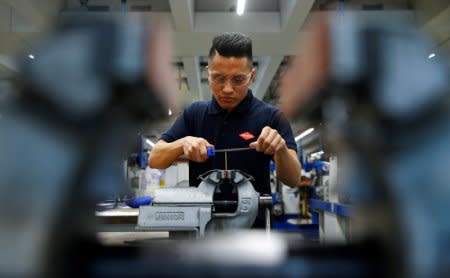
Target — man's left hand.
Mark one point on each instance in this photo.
(269, 142)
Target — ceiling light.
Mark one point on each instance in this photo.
(304, 133)
(240, 7)
(431, 55)
(31, 56)
(170, 112)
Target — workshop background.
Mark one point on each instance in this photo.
(78, 198)
(273, 25)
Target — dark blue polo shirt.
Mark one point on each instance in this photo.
(221, 128)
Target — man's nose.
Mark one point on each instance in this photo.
(227, 88)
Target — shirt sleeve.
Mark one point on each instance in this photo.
(281, 124)
(179, 129)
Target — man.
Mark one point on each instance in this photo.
(234, 118)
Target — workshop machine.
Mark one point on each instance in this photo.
(224, 200)
(73, 117)
(74, 129)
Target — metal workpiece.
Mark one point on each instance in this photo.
(211, 152)
(197, 209)
(234, 176)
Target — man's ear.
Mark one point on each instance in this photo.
(253, 74)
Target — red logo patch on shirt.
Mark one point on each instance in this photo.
(247, 135)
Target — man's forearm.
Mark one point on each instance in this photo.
(287, 166)
(164, 154)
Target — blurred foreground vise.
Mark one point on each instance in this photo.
(383, 103)
(75, 116)
(385, 110)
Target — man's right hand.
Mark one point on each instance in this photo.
(195, 148)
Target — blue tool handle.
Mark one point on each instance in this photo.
(211, 151)
(139, 201)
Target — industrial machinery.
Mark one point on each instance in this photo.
(72, 119)
(384, 106)
(224, 200)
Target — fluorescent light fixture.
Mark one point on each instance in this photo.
(304, 133)
(31, 56)
(431, 55)
(150, 142)
(240, 7)
(169, 112)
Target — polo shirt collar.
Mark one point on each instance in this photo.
(243, 107)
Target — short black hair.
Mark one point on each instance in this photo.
(232, 44)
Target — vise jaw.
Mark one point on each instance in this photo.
(225, 199)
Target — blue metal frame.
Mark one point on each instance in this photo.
(336, 208)
(343, 210)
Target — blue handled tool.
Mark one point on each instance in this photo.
(211, 151)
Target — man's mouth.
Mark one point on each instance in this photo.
(226, 99)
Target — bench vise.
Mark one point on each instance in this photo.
(224, 200)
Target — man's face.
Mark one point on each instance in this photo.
(229, 78)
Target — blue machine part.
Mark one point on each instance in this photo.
(142, 159)
(272, 166)
(314, 213)
(139, 201)
(276, 198)
(335, 208)
(320, 166)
